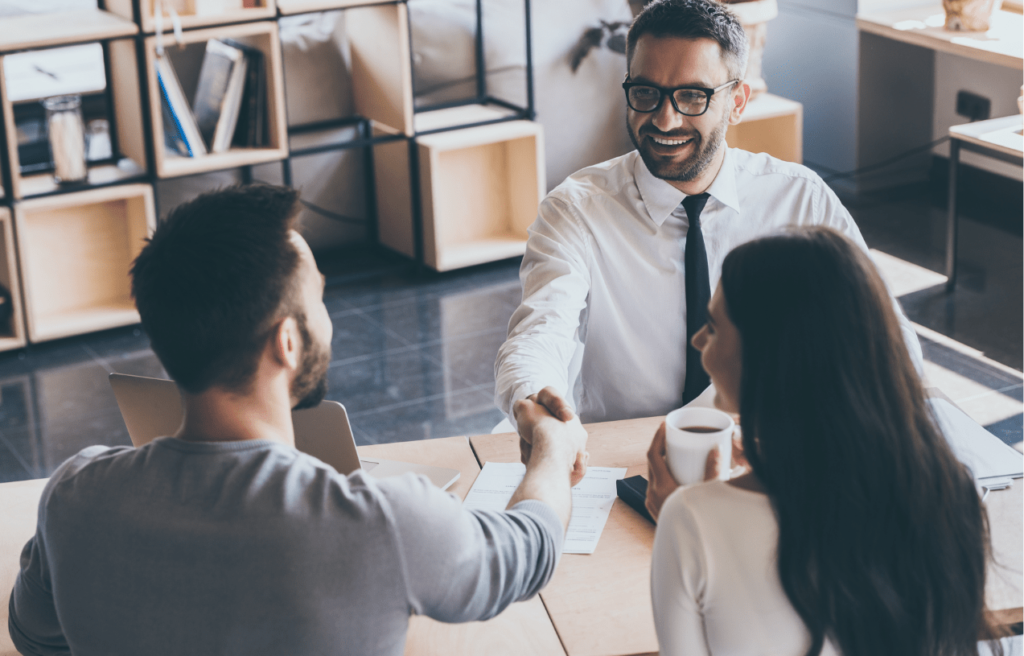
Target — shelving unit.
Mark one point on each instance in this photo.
(190, 19)
(76, 250)
(449, 186)
(11, 336)
(260, 35)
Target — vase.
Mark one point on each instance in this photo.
(969, 15)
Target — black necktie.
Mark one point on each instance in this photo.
(698, 293)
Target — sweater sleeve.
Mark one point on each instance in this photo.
(679, 581)
(466, 565)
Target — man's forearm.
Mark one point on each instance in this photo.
(547, 480)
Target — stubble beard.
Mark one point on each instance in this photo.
(310, 384)
(692, 167)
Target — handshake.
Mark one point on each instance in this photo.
(549, 428)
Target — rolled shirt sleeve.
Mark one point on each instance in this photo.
(467, 565)
(543, 332)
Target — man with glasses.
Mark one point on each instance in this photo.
(623, 257)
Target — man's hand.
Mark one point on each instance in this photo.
(556, 406)
(558, 448)
(660, 483)
(544, 430)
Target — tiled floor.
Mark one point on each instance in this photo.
(414, 357)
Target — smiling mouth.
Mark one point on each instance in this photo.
(662, 141)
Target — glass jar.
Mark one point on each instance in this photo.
(67, 138)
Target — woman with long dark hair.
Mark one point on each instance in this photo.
(857, 531)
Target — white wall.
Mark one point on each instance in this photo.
(811, 57)
(583, 113)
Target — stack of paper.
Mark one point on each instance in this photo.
(592, 499)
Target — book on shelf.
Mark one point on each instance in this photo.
(219, 92)
(251, 131)
(174, 140)
(182, 125)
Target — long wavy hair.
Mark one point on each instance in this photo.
(883, 540)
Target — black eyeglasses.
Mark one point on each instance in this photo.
(689, 101)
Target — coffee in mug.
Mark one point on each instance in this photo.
(690, 434)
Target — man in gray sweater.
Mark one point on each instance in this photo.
(223, 538)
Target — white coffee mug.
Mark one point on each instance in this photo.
(687, 450)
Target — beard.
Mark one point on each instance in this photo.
(310, 385)
(694, 165)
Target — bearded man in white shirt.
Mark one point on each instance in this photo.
(603, 330)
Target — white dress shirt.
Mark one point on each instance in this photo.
(715, 585)
(603, 316)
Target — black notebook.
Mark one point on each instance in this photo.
(633, 491)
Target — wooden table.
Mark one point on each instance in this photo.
(595, 604)
(522, 628)
(926, 27)
(601, 604)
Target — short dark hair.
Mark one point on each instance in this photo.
(213, 280)
(693, 19)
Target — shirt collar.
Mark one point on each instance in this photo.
(661, 198)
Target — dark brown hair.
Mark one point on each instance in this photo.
(213, 279)
(883, 540)
(693, 19)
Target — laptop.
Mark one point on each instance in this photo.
(151, 408)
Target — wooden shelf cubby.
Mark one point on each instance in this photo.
(262, 35)
(11, 336)
(127, 117)
(378, 37)
(76, 251)
(479, 187)
(187, 13)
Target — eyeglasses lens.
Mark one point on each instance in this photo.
(647, 99)
(690, 101)
(644, 99)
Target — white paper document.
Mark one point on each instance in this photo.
(592, 499)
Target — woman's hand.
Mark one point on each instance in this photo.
(660, 483)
